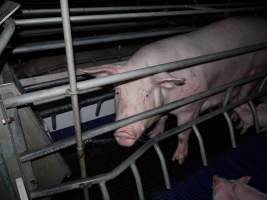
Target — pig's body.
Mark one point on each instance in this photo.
(224, 189)
(147, 93)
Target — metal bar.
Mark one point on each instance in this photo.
(231, 129)
(261, 87)
(89, 10)
(201, 145)
(89, 28)
(34, 97)
(85, 102)
(163, 166)
(9, 29)
(73, 89)
(110, 127)
(58, 44)
(255, 116)
(138, 182)
(228, 120)
(21, 189)
(104, 191)
(7, 10)
(129, 16)
(132, 158)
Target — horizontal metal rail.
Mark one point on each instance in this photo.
(88, 10)
(59, 44)
(130, 16)
(89, 28)
(87, 135)
(93, 10)
(62, 91)
(138, 153)
(63, 108)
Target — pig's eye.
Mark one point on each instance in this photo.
(117, 93)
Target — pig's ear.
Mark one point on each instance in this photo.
(103, 70)
(166, 80)
(245, 179)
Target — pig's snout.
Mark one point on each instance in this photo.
(128, 136)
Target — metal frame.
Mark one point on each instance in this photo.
(45, 12)
(131, 16)
(83, 86)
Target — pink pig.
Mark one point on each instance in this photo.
(140, 95)
(235, 189)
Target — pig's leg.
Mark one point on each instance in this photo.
(159, 127)
(187, 115)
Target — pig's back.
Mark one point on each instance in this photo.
(219, 36)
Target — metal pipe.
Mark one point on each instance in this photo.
(47, 94)
(8, 31)
(91, 10)
(138, 181)
(129, 16)
(163, 166)
(58, 44)
(201, 145)
(89, 28)
(87, 135)
(85, 102)
(132, 158)
(231, 129)
(73, 89)
(255, 116)
(104, 191)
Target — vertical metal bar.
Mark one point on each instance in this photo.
(227, 96)
(231, 129)
(228, 119)
(104, 191)
(255, 116)
(73, 87)
(138, 182)
(163, 166)
(201, 145)
(262, 84)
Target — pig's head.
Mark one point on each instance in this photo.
(134, 97)
(223, 189)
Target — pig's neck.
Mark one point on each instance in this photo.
(194, 83)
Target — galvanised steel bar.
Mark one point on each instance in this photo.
(58, 44)
(45, 12)
(110, 127)
(163, 166)
(34, 97)
(88, 28)
(73, 89)
(104, 191)
(227, 118)
(138, 181)
(201, 145)
(85, 102)
(7, 33)
(255, 116)
(131, 16)
(231, 129)
(132, 158)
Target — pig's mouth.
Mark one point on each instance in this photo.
(126, 137)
